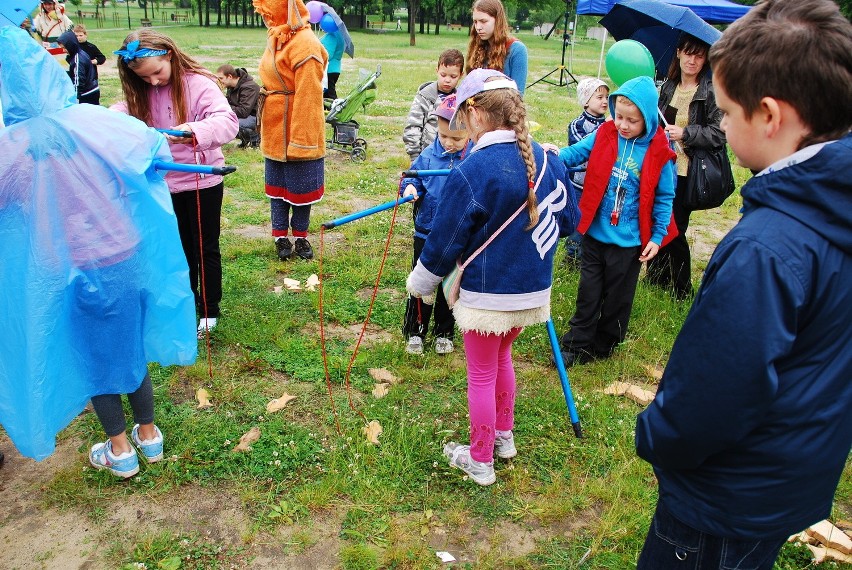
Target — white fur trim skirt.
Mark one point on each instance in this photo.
(485, 321)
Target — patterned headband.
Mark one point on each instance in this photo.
(133, 51)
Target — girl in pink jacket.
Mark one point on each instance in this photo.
(150, 64)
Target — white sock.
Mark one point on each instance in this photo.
(504, 434)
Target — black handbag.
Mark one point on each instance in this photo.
(709, 179)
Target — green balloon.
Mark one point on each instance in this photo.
(628, 59)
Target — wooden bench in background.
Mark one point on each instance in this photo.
(454, 26)
(376, 25)
(146, 23)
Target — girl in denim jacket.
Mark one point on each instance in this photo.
(507, 286)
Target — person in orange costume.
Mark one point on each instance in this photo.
(292, 121)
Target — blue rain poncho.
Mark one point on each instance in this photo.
(93, 279)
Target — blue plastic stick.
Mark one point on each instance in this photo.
(197, 168)
(563, 378)
(419, 173)
(365, 213)
(185, 134)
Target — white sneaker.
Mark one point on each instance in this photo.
(415, 345)
(205, 325)
(479, 472)
(443, 345)
(504, 446)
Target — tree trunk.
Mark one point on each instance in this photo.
(413, 7)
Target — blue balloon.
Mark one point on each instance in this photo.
(328, 24)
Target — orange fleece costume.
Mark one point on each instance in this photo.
(290, 115)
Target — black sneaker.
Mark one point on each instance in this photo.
(573, 357)
(284, 248)
(304, 249)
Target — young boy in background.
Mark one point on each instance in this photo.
(91, 49)
(83, 74)
(750, 429)
(421, 125)
(625, 216)
(593, 95)
(445, 151)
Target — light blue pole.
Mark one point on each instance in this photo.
(420, 173)
(365, 213)
(563, 378)
(197, 168)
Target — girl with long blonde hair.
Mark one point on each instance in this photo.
(510, 192)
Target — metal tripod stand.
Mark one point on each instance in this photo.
(565, 77)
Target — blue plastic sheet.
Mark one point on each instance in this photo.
(93, 279)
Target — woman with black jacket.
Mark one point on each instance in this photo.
(688, 103)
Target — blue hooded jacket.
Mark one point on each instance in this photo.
(430, 188)
(626, 172)
(82, 72)
(752, 423)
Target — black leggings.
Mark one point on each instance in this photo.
(186, 205)
(111, 413)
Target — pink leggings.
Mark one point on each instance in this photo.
(490, 389)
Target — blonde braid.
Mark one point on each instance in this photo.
(516, 118)
(504, 108)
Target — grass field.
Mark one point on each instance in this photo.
(307, 496)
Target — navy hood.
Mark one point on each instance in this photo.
(815, 192)
(643, 93)
(69, 40)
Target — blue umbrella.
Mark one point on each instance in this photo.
(348, 46)
(16, 11)
(658, 26)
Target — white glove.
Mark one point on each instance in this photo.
(428, 298)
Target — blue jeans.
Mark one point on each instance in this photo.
(672, 544)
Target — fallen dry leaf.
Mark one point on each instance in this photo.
(639, 395)
(312, 282)
(373, 430)
(383, 375)
(830, 536)
(616, 389)
(278, 403)
(247, 439)
(636, 393)
(654, 372)
(203, 397)
(292, 284)
(278, 289)
(380, 390)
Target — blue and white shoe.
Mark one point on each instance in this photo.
(152, 449)
(124, 465)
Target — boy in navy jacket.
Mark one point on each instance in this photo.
(446, 150)
(625, 216)
(80, 69)
(751, 426)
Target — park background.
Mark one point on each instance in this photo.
(307, 496)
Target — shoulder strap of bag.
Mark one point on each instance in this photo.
(509, 221)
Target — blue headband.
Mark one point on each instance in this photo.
(133, 51)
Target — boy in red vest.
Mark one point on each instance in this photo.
(625, 216)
